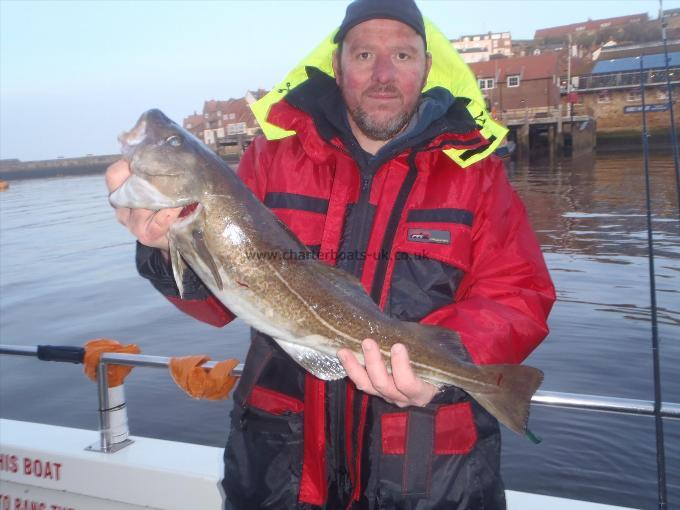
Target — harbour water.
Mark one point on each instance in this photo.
(67, 275)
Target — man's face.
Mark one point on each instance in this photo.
(381, 71)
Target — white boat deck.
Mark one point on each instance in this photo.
(48, 465)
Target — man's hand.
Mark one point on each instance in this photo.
(402, 388)
(149, 227)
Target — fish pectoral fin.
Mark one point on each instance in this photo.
(204, 255)
(178, 267)
(319, 364)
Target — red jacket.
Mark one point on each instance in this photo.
(501, 303)
(431, 242)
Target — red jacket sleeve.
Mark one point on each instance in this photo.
(502, 304)
(252, 170)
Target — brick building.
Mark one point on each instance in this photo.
(612, 92)
(590, 26)
(225, 122)
(520, 82)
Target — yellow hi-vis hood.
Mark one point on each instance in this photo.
(448, 71)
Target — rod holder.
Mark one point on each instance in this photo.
(113, 423)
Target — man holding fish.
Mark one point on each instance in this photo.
(378, 156)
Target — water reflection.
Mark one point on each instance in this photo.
(67, 275)
(590, 218)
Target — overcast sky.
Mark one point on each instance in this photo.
(75, 74)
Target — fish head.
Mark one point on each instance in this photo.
(165, 162)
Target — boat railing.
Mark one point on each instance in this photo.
(113, 428)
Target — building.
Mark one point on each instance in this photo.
(671, 18)
(591, 26)
(520, 82)
(612, 92)
(226, 123)
(194, 124)
(483, 47)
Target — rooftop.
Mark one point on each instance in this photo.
(589, 25)
(530, 68)
(617, 65)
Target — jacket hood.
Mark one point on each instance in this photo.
(448, 72)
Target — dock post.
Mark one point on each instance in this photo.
(523, 140)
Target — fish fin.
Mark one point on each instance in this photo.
(319, 364)
(205, 256)
(178, 267)
(509, 403)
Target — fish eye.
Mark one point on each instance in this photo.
(174, 140)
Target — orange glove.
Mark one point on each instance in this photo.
(93, 352)
(203, 383)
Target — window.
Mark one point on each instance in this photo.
(485, 83)
(513, 81)
(662, 94)
(235, 129)
(603, 96)
(188, 126)
(232, 116)
(634, 96)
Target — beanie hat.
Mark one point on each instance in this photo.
(405, 11)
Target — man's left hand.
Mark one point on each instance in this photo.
(401, 388)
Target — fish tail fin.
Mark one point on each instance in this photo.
(510, 399)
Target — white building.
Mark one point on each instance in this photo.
(479, 48)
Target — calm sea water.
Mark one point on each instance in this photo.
(67, 275)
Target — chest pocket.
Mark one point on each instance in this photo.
(432, 254)
(303, 214)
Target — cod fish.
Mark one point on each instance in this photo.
(239, 248)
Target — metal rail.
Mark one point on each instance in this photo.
(541, 398)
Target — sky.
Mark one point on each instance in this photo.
(75, 74)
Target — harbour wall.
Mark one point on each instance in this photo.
(14, 169)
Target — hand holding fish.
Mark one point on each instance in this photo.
(402, 387)
(149, 227)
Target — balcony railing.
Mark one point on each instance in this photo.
(627, 79)
(544, 113)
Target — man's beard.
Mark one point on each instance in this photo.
(383, 130)
(376, 130)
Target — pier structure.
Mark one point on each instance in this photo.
(562, 130)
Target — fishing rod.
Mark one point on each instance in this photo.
(669, 95)
(658, 419)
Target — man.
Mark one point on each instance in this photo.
(398, 187)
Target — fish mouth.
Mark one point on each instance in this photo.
(138, 193)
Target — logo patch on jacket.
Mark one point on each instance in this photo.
(426, 235)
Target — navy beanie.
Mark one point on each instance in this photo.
(359, 11)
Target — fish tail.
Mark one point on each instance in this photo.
(510, 398)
